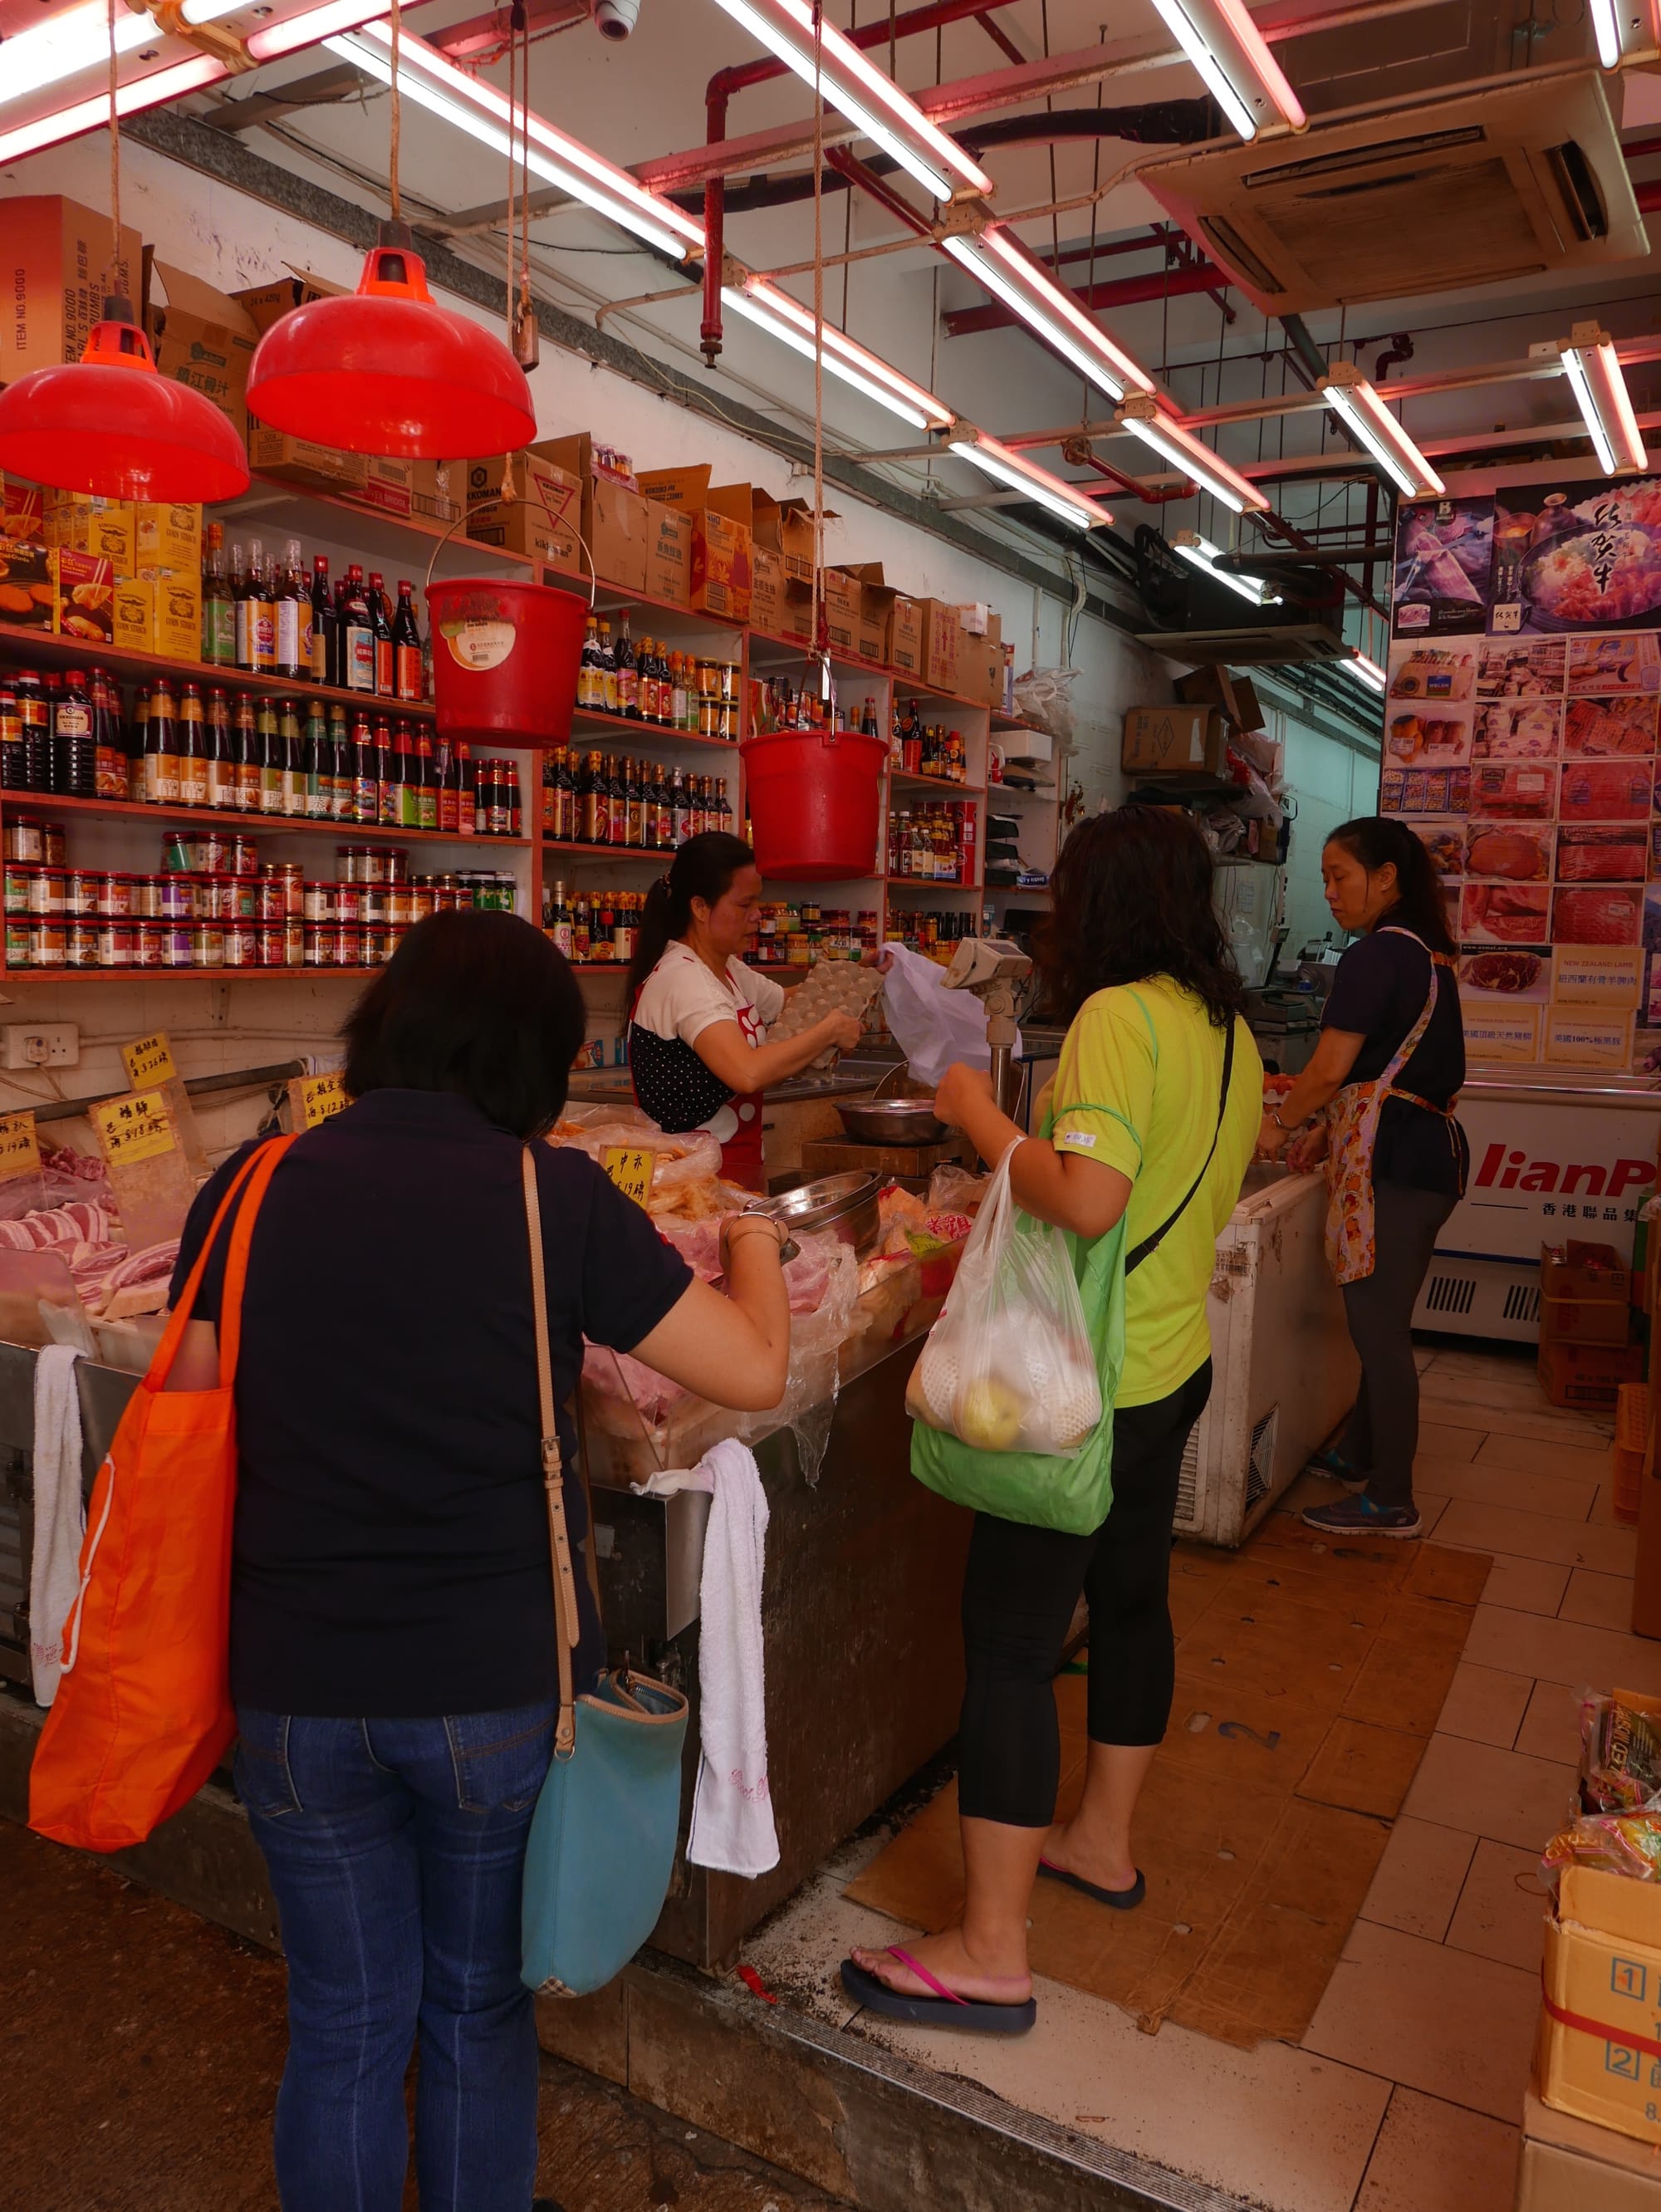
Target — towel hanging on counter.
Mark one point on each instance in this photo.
(60, 1513)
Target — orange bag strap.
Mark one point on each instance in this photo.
(236, 1260)
(172, 1336)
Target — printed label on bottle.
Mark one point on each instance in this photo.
(478, 642)
(360, 659)
(73, 721)
(289, 651)
(219, 632)
(410, 673)
(265, 634)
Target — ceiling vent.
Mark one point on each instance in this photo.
(1476, 189)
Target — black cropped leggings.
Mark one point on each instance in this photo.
(1019, 1592)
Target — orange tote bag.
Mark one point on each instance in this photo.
(143, 1711)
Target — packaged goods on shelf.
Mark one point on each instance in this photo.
(784, 528)
(616, 522)
(107, 527)
(438, 490)
(838, 601)
(874, 639)
(905, 641)
(933, 843)
(305, 460)
(919, 748)
(648, 682)
(639, 806)
(592, 928)
(934, 932)
(388, 483)
(57, 275)
(720, 575)
(200, 336)
(22, 515)
(55, 590)
(540, 516)
(768, 600)
(261, 615)
(669, 554)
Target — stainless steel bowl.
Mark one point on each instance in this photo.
(845, 1204)
(892, 1121)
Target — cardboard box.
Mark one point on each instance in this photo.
(669, 554)
(1588, 1375)
(1176, 740)
(540, 519)
(784, 526)
(1219, 687)
(177, 616)
(438, 490)
(982, 658)
(766, 598)
(264, 303)
(108, 527)
(615, 521)
(389, 484)
(169, 537)
(873, 639)
(1586, 1321)
(84, 588)
(722, 543)
(57, 274)
(303, 461)
(133, 615)
(939, 665)
(200, 336)
(839, 595)
(1603, 1964)
(905, 637)
(1568, 2164)
(23, 510)
(28, 592)
(1583, 1270)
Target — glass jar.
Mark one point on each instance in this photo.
(400, 905)
(115, 897)
(81, 943)
(397, 862)
(18, 879)
(23, 841)
(177, 895)
(148, 944)
(54, 844)
(208, 944)
(17, 941)
(48, 942)
(270, 897)
(176, 946)
(146, 901)
(318, 945)
(361, 863)
(349, 944)
(372, 903)
(241, 944)
(118, 943)
(242, 857)
(349, 902)
(47, 892)
(294, 942)
(317, 901)
(177, 852)
(371, 945)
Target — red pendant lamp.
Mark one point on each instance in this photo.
(385, 369)
(109, 425)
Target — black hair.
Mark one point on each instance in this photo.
(1131, 898)
(704, 868)
(482, 1005)
(1377, 841)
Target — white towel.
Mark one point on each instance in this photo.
(732, 1828)
(60, 1514)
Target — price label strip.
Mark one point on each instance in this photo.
(320, 1096)
(149, 1060)
(135, 1128)
(630, 1169)
(20, 1148)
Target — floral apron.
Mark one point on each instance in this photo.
(1352, 1122)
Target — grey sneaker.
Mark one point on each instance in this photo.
(1360, 1516)
(1331, 1462)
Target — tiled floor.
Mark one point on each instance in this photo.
(1405, 2093)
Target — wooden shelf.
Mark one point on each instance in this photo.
(55, 976)
(650, 733)
(368, 529)
(937, 783)
(661, 857)
(927, 884)
(667, 614)
(265, 825)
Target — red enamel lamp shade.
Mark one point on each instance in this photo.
(109, 426)
(387, 370)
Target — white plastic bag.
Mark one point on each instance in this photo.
(1009, 1365)
(931, 1025)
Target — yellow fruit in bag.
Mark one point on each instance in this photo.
(991, 1416)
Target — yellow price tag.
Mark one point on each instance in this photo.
(20, 1148)
(630, 1169)
(148, 1060)
(322, 1096)
(136, 1128)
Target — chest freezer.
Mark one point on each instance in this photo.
(1550, 1160)
(1284, 1373)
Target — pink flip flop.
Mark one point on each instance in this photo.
(945, 2009)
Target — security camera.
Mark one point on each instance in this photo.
(615, 19)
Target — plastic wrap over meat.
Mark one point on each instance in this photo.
(81, 1222)
(686, 1166)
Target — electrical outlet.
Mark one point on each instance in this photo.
(46, 1044)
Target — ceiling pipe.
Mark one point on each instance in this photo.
(1118, 292)
(851, 171)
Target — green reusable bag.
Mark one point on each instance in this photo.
(1042, 1491)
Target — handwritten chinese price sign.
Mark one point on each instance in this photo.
(630, 1169)
(20, 1149)
(149, 1059)
(136, 1128)
(320, 1096)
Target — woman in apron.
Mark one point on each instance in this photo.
(699, 1017)
(1387, 1072)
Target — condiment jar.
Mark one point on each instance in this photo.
(47, 892)
(317, 901)
(176, 947)
(148, 944)
(17, 877)
(55, 844)
(80, 891)
(22, 840)
(242, 944)
(177, 896)
(118, 943)
(48, 942)
(80, 945)
(115, 895)
(17, 941)
(243, 857)
(208, 944)
(318, 944)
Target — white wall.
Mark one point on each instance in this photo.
(1332, 784)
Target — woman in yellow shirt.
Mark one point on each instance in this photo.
(1143, 1127)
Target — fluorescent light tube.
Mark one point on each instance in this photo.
(1367, 671)
(63, 45)
(1234, 61)
(1364, 413)
(787, 320)
(1204, 555)
(1023, 476)
(1606, 26)
(313, 27)
(866, 96)
(1145, 419)
(1003, 266)
(1593, 369)
(131, 99)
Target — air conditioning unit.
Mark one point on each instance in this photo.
(1480, 188)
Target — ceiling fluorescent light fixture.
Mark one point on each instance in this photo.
(1022, 475)
(1234, 61)
(1364, 413)
(1367, 671)
(1593, 368)
(162, 85)
(789, 320)
(1204, 555)
(1145, 419)
(313, 26)
(867, 96)
(483, 114)
(1004, 266)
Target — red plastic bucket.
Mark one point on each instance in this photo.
(504, 657)
(815, 803)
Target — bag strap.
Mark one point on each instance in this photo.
(567, 1627)
(1150, 1245)
(236, 1260)
(261, 1162)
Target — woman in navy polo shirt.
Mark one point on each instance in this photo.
(392, 1632)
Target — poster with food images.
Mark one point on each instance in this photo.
(1443, 568)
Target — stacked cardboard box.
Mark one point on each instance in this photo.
(58, 272)
(143, 592)
(721, 572)
(200, 336)
(615, 521)
(537, 511)
(55, 590)
(1585, 1325)
(1570, 2165)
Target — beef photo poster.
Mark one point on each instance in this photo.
(1521, 744)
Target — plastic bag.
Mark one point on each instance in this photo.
(1620, 1754)
(1044, 696)
(1009, 1365)
(932, 1026)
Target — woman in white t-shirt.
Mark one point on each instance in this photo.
(698, 1018)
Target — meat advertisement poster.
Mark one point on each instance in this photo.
(1522, 743)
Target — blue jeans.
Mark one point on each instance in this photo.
(396, 1849)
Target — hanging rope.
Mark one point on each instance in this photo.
(118, 279)
(397, 114)
(524, 16)
(819, 639)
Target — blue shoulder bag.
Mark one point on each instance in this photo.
(602, 1844)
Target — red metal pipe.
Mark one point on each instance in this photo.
(1648, 196)
(715, 247)
(726, 81)
(1120, 292)
(849, 165)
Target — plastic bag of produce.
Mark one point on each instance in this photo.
(1008, 1366)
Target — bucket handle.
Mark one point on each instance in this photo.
(500, 501)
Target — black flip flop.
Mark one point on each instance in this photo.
(1122, 1900)
(946, 2010)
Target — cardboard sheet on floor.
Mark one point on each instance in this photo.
(1309, 1678)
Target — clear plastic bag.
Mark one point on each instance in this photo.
(1009, 1365)
(932, 1026)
